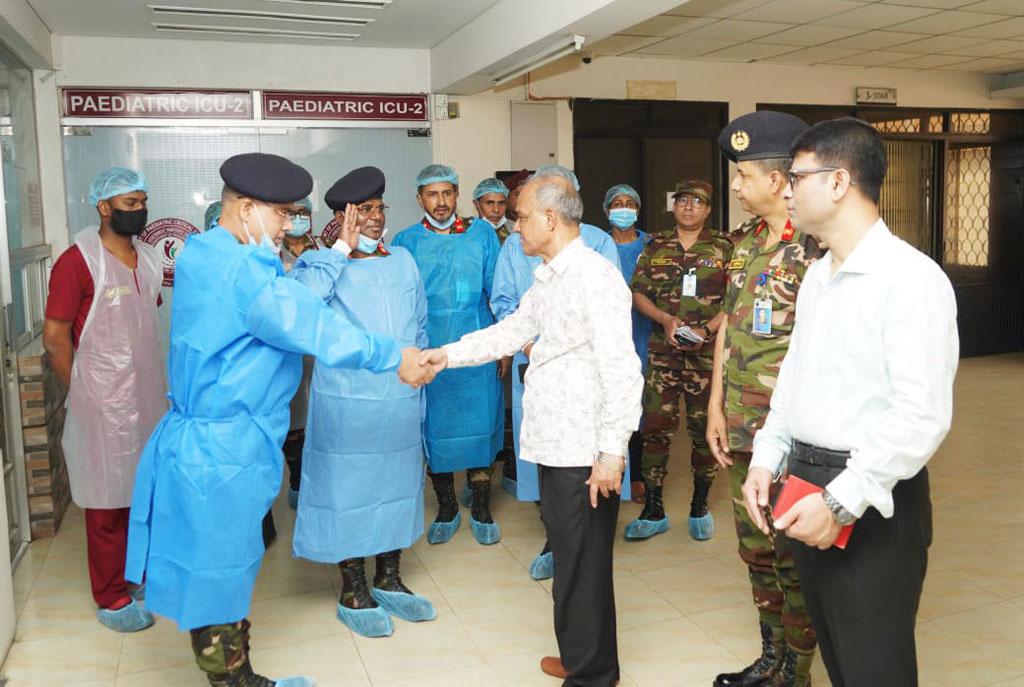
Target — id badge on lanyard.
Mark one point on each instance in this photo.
(690, 284)
(762, 316)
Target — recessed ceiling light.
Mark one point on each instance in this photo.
(359, 4)
(253, 31)
(257, 14)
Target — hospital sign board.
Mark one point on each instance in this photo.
(157, 104)
(344, 106)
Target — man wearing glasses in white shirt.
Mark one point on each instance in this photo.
(581, 404)
(863, 400)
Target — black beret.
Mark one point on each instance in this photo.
(760, 135)
(355, 187)
(270, 178)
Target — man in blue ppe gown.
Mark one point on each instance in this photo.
(362, 490)
(622, 207)
(465, 415)
(213, 465)
(513, 277)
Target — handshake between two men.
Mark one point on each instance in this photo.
(419, 367)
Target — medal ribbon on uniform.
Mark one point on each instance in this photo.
(458, 227)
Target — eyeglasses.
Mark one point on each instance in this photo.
(795, 175)
(284, 212)
(695, 201)
(371, 209)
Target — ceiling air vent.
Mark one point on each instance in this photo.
(359, 4)
(253, 31)
(257, 14)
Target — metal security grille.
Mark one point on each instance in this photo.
(966, 221)
(970, 123)
(905, 201)
(910, 125)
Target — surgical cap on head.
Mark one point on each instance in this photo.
(436, 174)
(305, 203)
(212, 215)
(620, 190)
(489, 186)
(561, 171)
(114, 182)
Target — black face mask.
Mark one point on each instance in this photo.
(128, 222)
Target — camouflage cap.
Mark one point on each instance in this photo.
(695, 187)
(760, 135)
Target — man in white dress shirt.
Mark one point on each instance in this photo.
(581, 403)
(863, 400)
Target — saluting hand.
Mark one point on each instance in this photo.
(349, 232)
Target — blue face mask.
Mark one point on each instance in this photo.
(441, 225)
(300, 225)
(622, 218)
(367, 245)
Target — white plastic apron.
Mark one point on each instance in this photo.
(118, 383)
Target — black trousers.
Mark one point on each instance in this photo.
(581, 540)
(863, 600)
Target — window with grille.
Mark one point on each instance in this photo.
(966, 221)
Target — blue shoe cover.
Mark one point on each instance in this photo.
(543, 566)
(297, 681)
(131, 618)
(411, 607)
(368, 622)
(645, 529)
(293, 503)
(440, 532)
(508, 485)
(702, 528)
(466, 497)
(137, 592)
(486, 533)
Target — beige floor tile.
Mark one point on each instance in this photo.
(158, 646)
(333, 661)
(946, 655)
(284, 620)
(287, 576)
(493, 585)
(510, 627)
(636, 604)
(995, 629)
(734, 627)
(523, 670)
(88, 659)
(671, 653)
(946, 593)
(1012, 682)
(472, 676)
(699, 586)
(186, 674)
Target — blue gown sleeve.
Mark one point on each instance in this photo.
(287, 315)
(606, 247)
(422, 340)
(492, 246)
(318, 271)
(504, 296)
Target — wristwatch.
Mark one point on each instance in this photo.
(839, 514)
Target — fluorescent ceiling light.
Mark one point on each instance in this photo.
(253, 31)
(566, 46)
(257, 14)
(358, 4)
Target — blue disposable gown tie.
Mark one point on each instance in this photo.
(362, 464)
(629, 253)
(465, 406)
(212, 467)
(513, 277)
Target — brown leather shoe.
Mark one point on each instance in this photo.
(552, 665)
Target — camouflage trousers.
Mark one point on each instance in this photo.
(769, 559)
(664, 383)
(221, 650)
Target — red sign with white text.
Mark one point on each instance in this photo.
(344, 106)
(157, 104)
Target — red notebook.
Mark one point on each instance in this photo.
(795, 489)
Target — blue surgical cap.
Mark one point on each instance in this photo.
(561, 171)
(115, 182)
(491, 185)
(620, 190)
(305, 203)
(212, 215)
(435, 174)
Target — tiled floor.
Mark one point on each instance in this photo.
(684, 607)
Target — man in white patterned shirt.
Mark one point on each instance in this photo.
(581, 403)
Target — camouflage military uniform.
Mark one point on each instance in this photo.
(751, 366)
(222, 651)
(670, 371)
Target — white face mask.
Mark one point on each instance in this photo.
(442, 225)
(265, 242)
(500, 223)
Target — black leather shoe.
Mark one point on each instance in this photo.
(760, 672)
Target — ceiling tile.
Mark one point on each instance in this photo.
(987, 65)
(936, 44)
(682, 47)
(876, 40)
(876, 16)
(808, 35)
(934, 4)
(811, 55)
(665, 26)
(715, 8)
(873, 58)
(1012, 27)
(619, 44)
(747, 52)
(1010, 8)
(945, 22)
(928, 61)
(736, 31)
(806, 11)
(995, 48)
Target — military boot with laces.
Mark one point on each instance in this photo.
(448, 517)
(760, 672)
(795, 670)
(652, 518)
(357, 607)
(485, 530)
(702, 522)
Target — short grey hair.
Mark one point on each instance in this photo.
(554, 193)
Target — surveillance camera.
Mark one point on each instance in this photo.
(587, 56)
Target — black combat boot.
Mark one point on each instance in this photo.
(448, 517)
(245, 677)
(355, 592)
(393, 596)
(702, 523)
(760, 672)
(652, 518)
(795, 670)
(485, 530)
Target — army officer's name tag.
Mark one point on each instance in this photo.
(762, 316)
(690, 284)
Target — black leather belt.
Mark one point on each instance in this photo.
(815, 455)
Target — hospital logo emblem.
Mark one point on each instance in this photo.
(168, 236)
